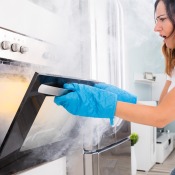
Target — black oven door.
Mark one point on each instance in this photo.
(36, 129)
(41, 131)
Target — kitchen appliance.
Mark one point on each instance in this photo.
(110, 160)
(30, 136)
(35, 130)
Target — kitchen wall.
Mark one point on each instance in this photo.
(142, 45)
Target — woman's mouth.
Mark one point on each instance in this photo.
(163, 36)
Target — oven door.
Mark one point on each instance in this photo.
(41, 131)
(29, 110)
(34, 129)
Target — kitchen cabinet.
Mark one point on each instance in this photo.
(164, 147)
(145, 148)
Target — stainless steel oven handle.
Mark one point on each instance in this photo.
(106, 148)
(52, 91)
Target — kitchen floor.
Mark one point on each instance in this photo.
(161, 169)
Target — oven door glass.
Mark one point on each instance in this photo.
(13, 85)
(52, 124)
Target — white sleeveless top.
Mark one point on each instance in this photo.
(172, 79)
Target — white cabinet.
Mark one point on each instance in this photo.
(145, 148)
(164, 147)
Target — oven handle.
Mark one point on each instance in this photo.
(51, 90)
(98, 151)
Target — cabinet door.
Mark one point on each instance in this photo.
(145, 149)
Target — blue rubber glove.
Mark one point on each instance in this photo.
(88, 101)
(122, 95)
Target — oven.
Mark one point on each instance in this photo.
(20, 57)
(35, 131)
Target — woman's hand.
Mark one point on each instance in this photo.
(122, 95)
(88, 101)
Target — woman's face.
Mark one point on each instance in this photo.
(164, 26)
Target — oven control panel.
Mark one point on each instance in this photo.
(19, 47)
(14, 47)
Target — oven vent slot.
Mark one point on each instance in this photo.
(13, 63)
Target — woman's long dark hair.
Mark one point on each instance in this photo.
(169, 54)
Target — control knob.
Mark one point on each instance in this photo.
(23, 49)
(15, 47)
(5, 45)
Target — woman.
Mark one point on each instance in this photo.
(106, 101)
(165, 26)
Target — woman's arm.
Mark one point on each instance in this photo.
(158, 116)
(165, 90)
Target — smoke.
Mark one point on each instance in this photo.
(73, 133)
(56, 124)
(139, 20)
(72, 57)
(142, 44)
(71, 36)
(49, 5)
(69, 44)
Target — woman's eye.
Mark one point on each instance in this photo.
(162, 19)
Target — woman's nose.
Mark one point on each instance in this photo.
(157, 27)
